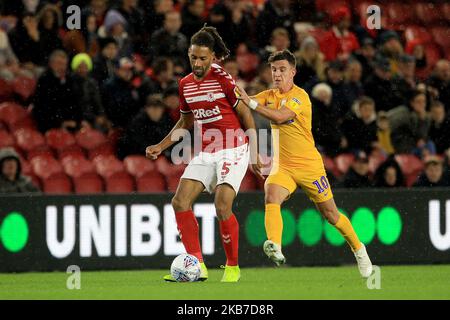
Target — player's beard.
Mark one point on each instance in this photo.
(199, 72)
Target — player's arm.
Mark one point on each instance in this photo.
(277, 116)
(186, 122)
(247, 121)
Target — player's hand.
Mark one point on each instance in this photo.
(152, 152)
(242, 95)
(257, 168)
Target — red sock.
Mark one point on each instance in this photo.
(188, 230)
(229, 230)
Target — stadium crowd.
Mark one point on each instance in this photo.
(80, 106)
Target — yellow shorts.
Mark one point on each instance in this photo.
(312, 179)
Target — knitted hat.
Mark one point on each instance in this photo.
(112, 18)
(79, 59)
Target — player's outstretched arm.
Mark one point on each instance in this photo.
(277, 116)
(247, 121)
(186, 122)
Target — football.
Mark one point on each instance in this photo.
(185, 268)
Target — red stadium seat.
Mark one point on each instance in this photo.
(399, 13)
(172, 182)
(409, 163)
(28, 140)
(166, 168)
(108, 166)
(88, 184)
(153, 182)
(12, 113)
(344, 161)
(39, 152)
(76, 167)
(105, 149)
(330, 165)
(24, 87)
(75, 152)
(90, 139)
(441, 36)
(428, 13)
(25, 123)
(59, 139)
(411, 178)
(46, 167)
(6, 140)
(329, 6)
(138, 165)
(416, 32)
(6, 90)
(60, 184)
(119, 184)
(376, 158)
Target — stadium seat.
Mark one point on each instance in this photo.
(409, 164)
(25, 123)
(108, 166)
(46, 167)
(138, 165)
(28, 139)
(60, 184)
(172, 182)
(399, 13)
(105, 149)
(330, 6)
(330, 165)
(59, 139)
(90, 139)
(123, 183)
(166, 168)
(24, 87)
(74, 151)
(76, 167)
(428, 13)
(376, 158)
(11, 113)
(344, 161)
(153, 182)
(417, 32)
(441, 36)
(39, 152)
(411, 178)
(88, 184)
(6, 140)
(6, 90)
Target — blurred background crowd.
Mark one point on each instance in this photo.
(79, 107)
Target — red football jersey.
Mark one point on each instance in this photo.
(212, 101)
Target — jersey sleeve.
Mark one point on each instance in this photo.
(230, 89)
(184, 107)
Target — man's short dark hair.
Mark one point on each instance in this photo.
(283, 55)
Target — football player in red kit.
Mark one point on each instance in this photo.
(208, 98)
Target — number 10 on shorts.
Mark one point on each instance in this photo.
(321, 184)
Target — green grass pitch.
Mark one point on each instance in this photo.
(397, 282)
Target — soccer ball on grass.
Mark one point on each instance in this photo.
(185, 268)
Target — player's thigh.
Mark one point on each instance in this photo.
(232, 166)
(187, 192)
(313, 180)
(278, 187)
(223, 200)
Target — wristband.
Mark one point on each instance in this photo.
(253, 104)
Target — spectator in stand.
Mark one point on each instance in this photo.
(154, 13)
(433, 175)
(339, 42)
(115, 26)
(161, 79)
(172, 101)
(360, 126)
(232, 18)
(9, 64)
(168, 40)
(26, 43)
(88, 94)
(310, 62)
(148, 127)
(279, 41)
(391, 48)
(353, 86)
(440, 127)
(365, 55)
(231, 66)
(411, 125)
(262, 81)
(335, 79)
(417, 50)
(84, 40)
(120, 99)
(384, 143)
(405, 81)
(380, 88)
(440, 80)
(325, 121)
(389, 175)
(104, 61)
(135, 23)
(276, 14)
(192, 17)
(358, 174)
(11, 178)
(55, 100)
(98, 8)
(49, 21)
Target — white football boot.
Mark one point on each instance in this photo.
(364, 263)
(273, 251)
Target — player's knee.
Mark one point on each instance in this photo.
(223, 211)
(180, 204)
